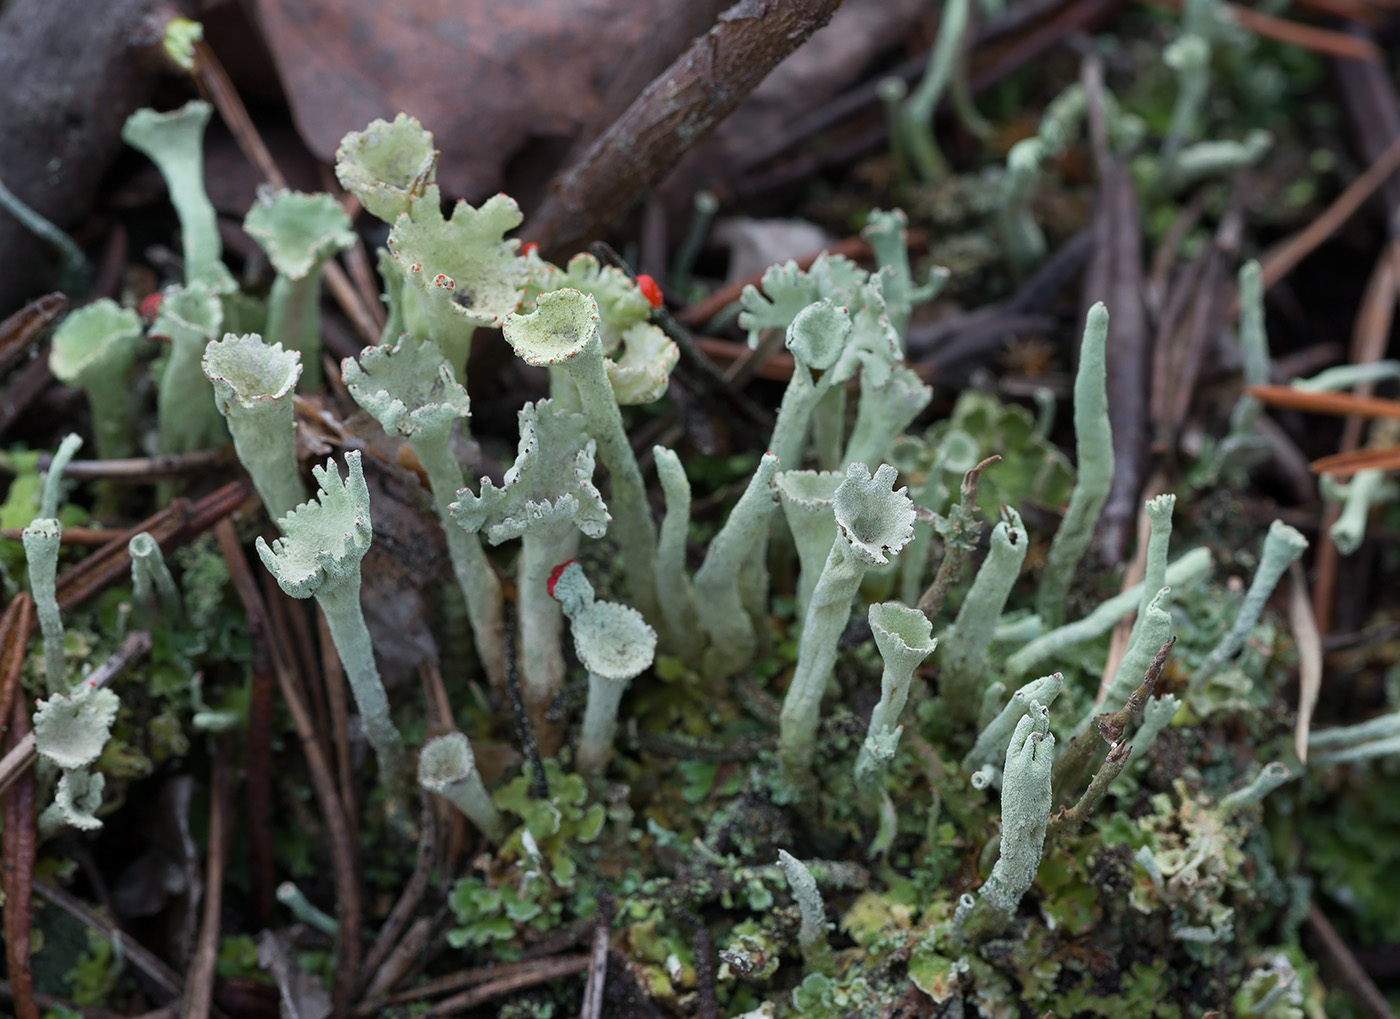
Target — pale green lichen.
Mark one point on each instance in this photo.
(299, 233)
(320, 555)
(389, 167)
(412, 392)
(546, 499)
(253, 384)
(1093, 440)
(904, 637)
(874, 521)
(70, 729)
(447, 767)
(150, 577)
(175, 143)
(718, 599)
(812, 935)
(190, 316)
(563, 331)
(94, 348)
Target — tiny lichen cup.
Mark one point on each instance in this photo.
(253, 384)
(447, 767)
(93, 348)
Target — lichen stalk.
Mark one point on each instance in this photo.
(1093, 442)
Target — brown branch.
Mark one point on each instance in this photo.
(539, 972)
(20, 840)
(28, 326)
(199, 980)
(679, 108)
(14, 637)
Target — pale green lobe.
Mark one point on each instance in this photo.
(816, 337)
(389, 167)
(904, 637)
(447, 767)
(546, 499)
(1270, 777)
(413, 393)
(621, 303)
(807, 497)
(325, 539)
(643, 370)
(76, 801)
(460, 273)
(718, 598)
(93, 348)
(253, 384)
(873, 522)
(563, 331)
(1093, 440)
(41, 543)
(70, 729)
(787, 290)
(175, 143)
(190, 316)
(299, 233)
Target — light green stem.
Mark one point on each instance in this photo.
(475, 575)
(1093, 441)
(673, 587)
(541, 620)
(41, 541)
(599, 722)
(346, 621)
(294, 320)
(826, 618)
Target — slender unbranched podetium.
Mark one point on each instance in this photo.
(965, 643)
(674, 590)
(175, 143)
(874, 521)
(1282, 547)
(150, 577)
(411, 391)
(302, 908)
(447, 767)
(320, 555)
(1093, 444)
(190, 316)
(41, 542)
(717, 595)
(1270, 777)
(812, 935)
(253, 384)
(563, 330)
(299, 233)
(546, 499)
(615, 645)
(93, 348)
(904, 637)
(1025, 811)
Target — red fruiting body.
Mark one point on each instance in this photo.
(556, 573)
(529, 247)
(650, 290)
(150, 307)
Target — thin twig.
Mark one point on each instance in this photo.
(14, 637)
(598, 959)
(152, 967)
(28, 326)
(1342, 969)
(19, 841)
(143, 469)
(199, 982)
(704, 965)
(539, 972)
